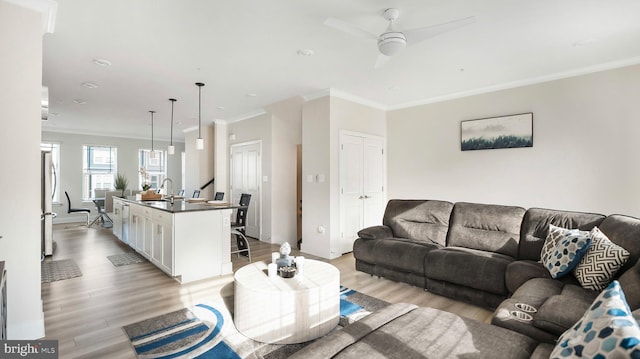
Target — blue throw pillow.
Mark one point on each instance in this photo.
(606, 330)
(566, 252)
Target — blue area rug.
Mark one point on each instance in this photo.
(207, 331)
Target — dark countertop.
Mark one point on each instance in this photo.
(178, 206)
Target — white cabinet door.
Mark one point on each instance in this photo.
(148, 235)
(167, 248)
(362, 179)
(162, 241)
(134, 228)
(117, 218)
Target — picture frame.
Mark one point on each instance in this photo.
(511, 131)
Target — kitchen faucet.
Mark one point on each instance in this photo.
(171, 183)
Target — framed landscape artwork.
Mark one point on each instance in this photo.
(497, 132)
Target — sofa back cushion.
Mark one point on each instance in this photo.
(422, 220)
(486, 227)
(535, 227)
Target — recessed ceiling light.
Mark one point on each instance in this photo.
(305, 52)
(80, 101)
(251, 94)
(89, 85)
(102, 62)
(220, 107)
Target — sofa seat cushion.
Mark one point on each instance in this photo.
(559, 313)
(420, 333)
(471, 268)
(403, 254)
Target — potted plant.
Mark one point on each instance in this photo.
(121, 183)
(145, 179)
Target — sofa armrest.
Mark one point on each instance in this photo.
(375, 232)
(519, 272)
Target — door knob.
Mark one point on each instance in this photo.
(360, 197)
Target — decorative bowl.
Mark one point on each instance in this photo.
(287, 272)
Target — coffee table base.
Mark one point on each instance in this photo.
(286, 311)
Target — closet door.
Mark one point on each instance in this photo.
(362, 180)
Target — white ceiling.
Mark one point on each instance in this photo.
(160, 48)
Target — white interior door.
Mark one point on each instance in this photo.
(361, 186)
(373, 182)
(246, 169)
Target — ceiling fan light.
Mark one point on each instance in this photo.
(390, 44)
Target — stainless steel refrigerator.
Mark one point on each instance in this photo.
(48, 188)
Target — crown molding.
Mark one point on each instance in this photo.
(48, 8)
(103, 134)
(526, 82)
(246, 116)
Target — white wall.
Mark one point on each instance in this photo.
(286, 133)
(584, 155)
(199, 166)
(221, 159)
(71, 166)
(20, 88)
(315, 160)
(323, 119)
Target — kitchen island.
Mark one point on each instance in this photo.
(188, 241)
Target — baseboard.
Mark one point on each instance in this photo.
(71, 219)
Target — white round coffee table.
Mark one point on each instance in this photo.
(286, 310)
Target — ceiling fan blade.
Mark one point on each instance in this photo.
(381, 61)
(349, 28)
(416, 35)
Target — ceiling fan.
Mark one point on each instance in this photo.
(391, 41)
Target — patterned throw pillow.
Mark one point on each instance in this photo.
(563, 250)
(606, 330)
(601, 262)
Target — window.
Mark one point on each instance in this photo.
(54, 148)
(156, 168)
(99, 168)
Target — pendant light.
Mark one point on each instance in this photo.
(172, 149)
(199, 140)
(153, 153)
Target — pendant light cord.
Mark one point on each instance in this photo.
(173, 100)
(152, 112)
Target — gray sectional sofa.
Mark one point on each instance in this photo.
(489, 255)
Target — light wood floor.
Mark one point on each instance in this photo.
(86, 314)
